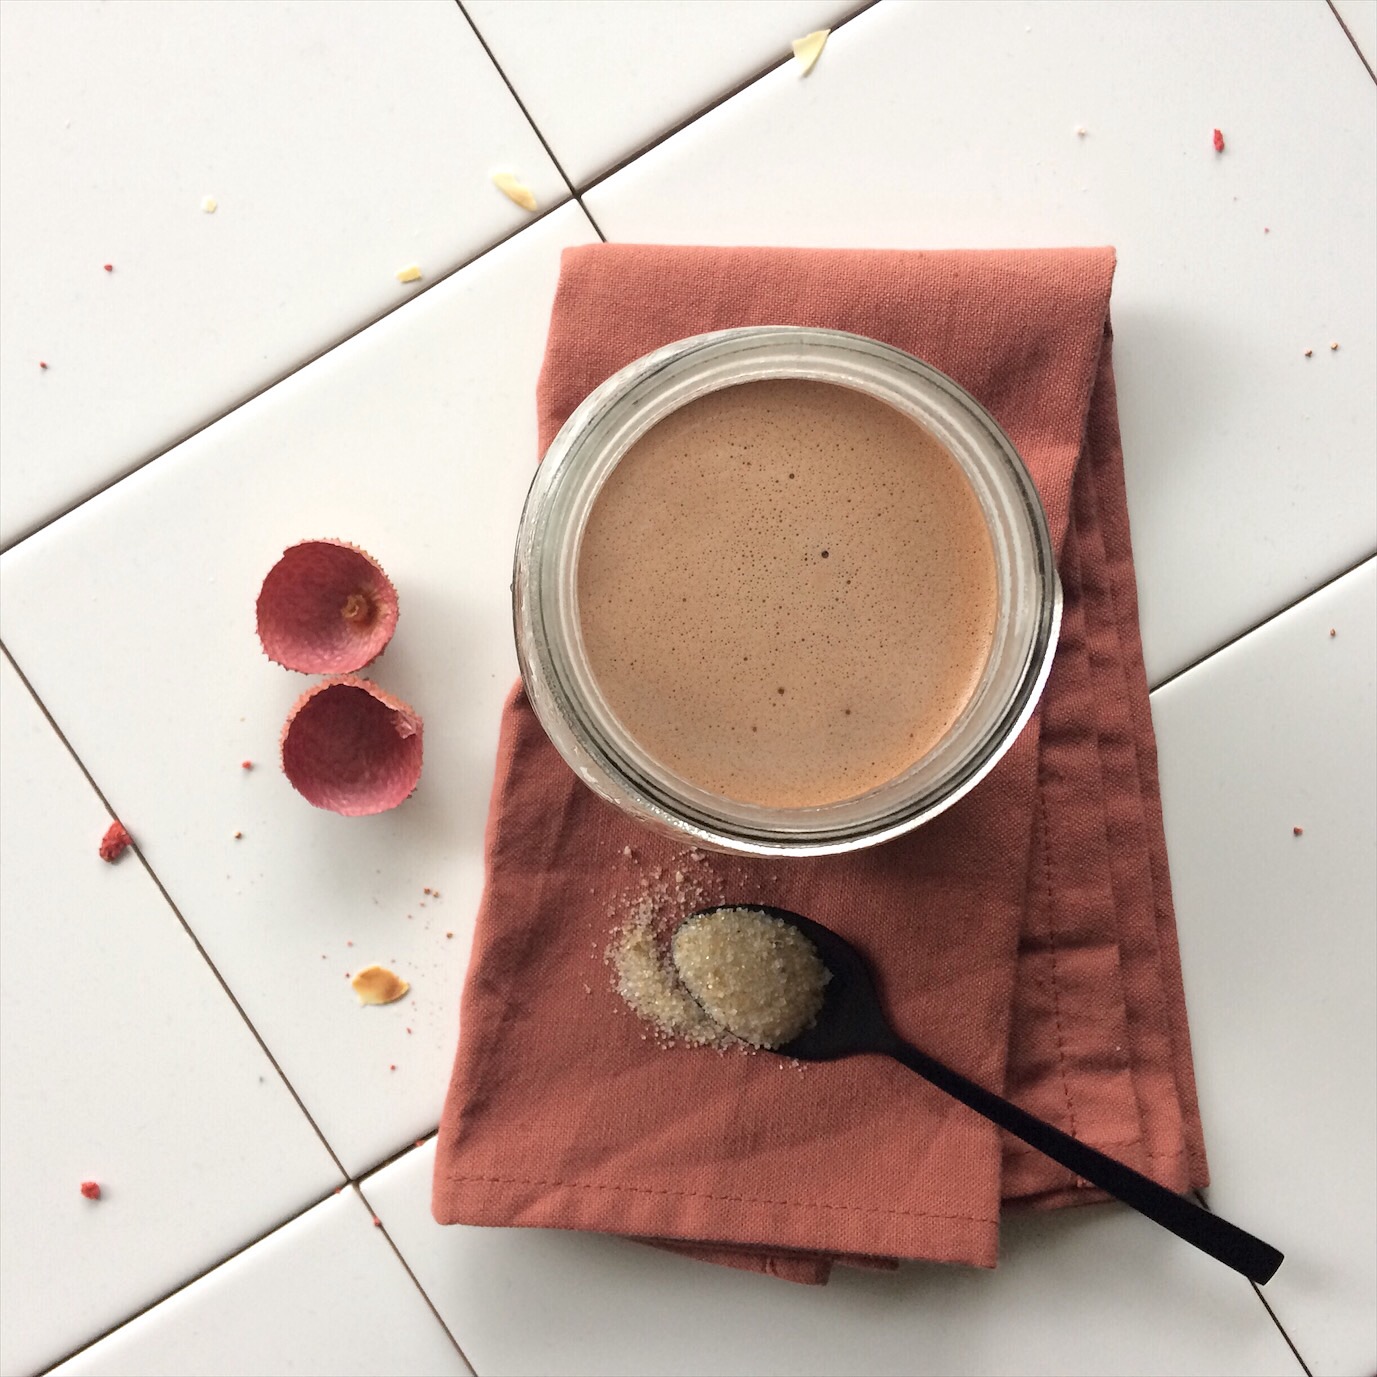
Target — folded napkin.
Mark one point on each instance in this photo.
(1026, 936)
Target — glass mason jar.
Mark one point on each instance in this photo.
(554, 666)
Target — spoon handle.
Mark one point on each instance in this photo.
(1234, 1247)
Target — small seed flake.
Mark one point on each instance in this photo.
(238, 836)
(410, 273)
(1218, 140)
(1335, 345)
(91, 1190)
(809, 48)
(1309, 353)
(115, 842)
(514, 189)
(209, 204)
(1333, 632)
(378, 985)
(1081, 131)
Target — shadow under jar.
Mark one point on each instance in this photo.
(783, 591)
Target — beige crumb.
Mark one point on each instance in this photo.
(238, 836)
(410, 273)
(378, 985)
(1309, 353)
(514, 189)
(809, 48)
(1081, 131)
(1335, 345)
(209, 204)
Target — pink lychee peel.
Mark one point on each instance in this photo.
(351, 747)
(326, 607)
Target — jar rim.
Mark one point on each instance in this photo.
(592, 441)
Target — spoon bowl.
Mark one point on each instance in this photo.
(851, 1021)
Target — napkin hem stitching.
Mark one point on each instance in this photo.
(707, 1195)
(1052, 948)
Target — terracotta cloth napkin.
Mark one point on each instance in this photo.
(1026, 937)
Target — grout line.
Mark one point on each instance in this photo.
(425, 1296)
(712, 105)
(258, 391)
(1262, 621)
(190, 1281)
(395, 1156)
(1257, 1291)
(521, 105)
(1348, 33)
(186, 927)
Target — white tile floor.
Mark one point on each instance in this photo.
(345, 141)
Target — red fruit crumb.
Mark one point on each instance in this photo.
(1297, 831)
(426, 890)
(41, 364)
(338, 1189)
(377, 1223)
(246, 764)
(420, 1142)
(347, 942)
(115, 842)
(1218, 141)
(1332, 632)
(91, 1190)
(393, 1067)
(449, 934)
(109, 267)
(408, 1032)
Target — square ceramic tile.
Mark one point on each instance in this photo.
(1095, 1290)
(341, 143)
(134, 618)
(1360, 18)
(124, 1063)
(324, 1294)
(602, 78)
(1249, 465)
(1269, 782)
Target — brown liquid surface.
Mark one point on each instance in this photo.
(787, 592)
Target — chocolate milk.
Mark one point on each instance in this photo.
(787, 592)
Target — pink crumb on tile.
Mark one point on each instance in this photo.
(1218, 140)
(115, 842)
(91, 1190)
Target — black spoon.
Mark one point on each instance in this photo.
(851, 1021)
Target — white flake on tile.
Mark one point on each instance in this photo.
(1277, 938)
(325, 1294)
(134, 618)
(1361, 18)
(1249, 466)
(339, 141)
(1095, 1291)
(603, 78)
(122, 1061)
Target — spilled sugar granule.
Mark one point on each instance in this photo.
(115, 842)
(647, 981)
(514, 189)
(754, 974)
(809, 48)
(378, 985)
